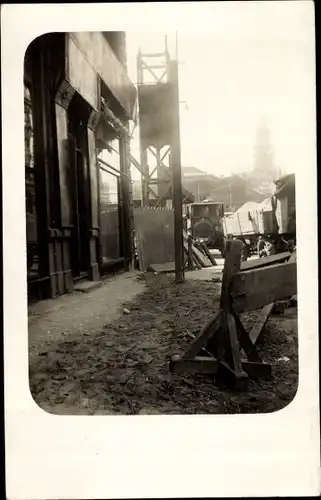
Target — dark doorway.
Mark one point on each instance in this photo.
(80, 262)
(79, 178)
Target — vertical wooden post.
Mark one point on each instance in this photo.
(190, 252)
(231, 266)
(177, 176)
(229, 344)
(145, 174)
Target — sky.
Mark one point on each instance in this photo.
(251, 61)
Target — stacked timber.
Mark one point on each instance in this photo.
(197, 253)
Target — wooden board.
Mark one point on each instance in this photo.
(256, 288)
(199, 256)
(208, 253)
(195, 261)
(260, 323)
(203, 259)
(211, 366)
(199, 364)
(205, 334)
(265, 261)
(167, 267)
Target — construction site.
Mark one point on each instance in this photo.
(166, 298)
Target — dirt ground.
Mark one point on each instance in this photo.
(79, 314)
(122, 368)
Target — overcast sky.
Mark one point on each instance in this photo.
(250, 61)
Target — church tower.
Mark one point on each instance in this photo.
(263, 157)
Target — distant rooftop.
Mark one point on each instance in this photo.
(192, 171)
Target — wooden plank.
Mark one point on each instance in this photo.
(198, 246)
(196, 263)
(260, 323)
(259, 287)
(199, 256)
(235, 355)
(210, 366)
(257, 370)
(208, 253)
(194, 259)
(203, 259)
(167, 267)
(175, 164)
(265, 261)
(246, 342)
(200, 364)
(205, 334)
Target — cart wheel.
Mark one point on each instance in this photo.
(265, 248)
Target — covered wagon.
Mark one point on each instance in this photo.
(267, 227)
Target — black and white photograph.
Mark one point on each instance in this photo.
(158, 285)
(161, 186)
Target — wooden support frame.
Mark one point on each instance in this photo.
(146, 64)
(224, 337)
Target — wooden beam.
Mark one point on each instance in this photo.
(210, 366)
(199, 364)
(231, 266)
(144, 175)
(246, 343)
(200, 256)
(175, 162)
(233, 354)
(260, 323)
(208, 253)
(194, 259)
(205, 334)
(257, 370)
(265, 261)
(256, 288)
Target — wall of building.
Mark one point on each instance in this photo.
(62, 110)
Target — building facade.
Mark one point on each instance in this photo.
(79, 103)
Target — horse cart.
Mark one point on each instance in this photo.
(267, 228)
